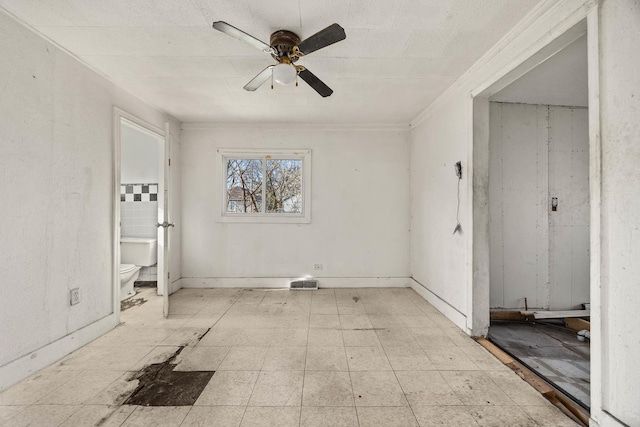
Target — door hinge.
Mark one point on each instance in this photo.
(169, 162)
(168, 275)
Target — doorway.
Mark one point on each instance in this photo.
(539, 240)
(539, 186)
(538, 145)
(141, 238)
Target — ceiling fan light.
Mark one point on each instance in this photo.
(284, 74)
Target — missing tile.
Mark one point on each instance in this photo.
(160, 385)
(131, 302)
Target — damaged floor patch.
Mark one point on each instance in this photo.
(160, 385)
(131, 302)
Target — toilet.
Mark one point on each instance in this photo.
(135, 253)
(128, 275)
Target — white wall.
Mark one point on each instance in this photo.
(140, 157)
(538, 152)
(446, 130)
(438, 257)
(359, 210)
(443, 134)
(560, 80)
(56, 169)
(620, 234)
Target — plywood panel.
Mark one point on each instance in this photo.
(518, 155)
(569, 225)
(539, 152)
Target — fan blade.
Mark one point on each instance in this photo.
(330, 35)
(232, 31)
(317, 84)
(259, 80)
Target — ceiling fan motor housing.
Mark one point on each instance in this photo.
(283, 42)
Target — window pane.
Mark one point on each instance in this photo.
(284, 186)
(244, 185)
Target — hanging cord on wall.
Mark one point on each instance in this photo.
(458, 228)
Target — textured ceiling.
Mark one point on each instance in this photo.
(399, 55)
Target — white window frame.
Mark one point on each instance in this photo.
(263, 154)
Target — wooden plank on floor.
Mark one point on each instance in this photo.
(542, 387)
(493, 349)
(523, 316)
(566, 405)
(576, 410)
(577, 324)
(561, 314)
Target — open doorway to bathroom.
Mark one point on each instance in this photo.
(141, 199)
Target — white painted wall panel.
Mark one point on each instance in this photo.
(437, 255)
(518, 157)
(539, 152)
(140, 157)
(56, 170)
(569, 225)
(359, 208)
(620, 132)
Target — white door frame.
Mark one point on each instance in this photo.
(166, 212)
(587, 18)
(478, 303)
(119, 117)
(479, 280)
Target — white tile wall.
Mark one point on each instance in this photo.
(148, 274)
(138, 219)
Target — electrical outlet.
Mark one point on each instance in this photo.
(317, 266)
(74, 296)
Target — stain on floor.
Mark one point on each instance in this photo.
(159, 385)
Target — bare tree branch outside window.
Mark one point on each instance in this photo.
(283, 180)
(244, 185)
(284, 186)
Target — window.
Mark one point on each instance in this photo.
(265, 186)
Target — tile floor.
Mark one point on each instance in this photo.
(343, 357)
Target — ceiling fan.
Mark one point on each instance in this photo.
(286, 48)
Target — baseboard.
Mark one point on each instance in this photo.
(283, 282)
(363, 282)
(19, 369)
(175, 286)
(441, 305)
